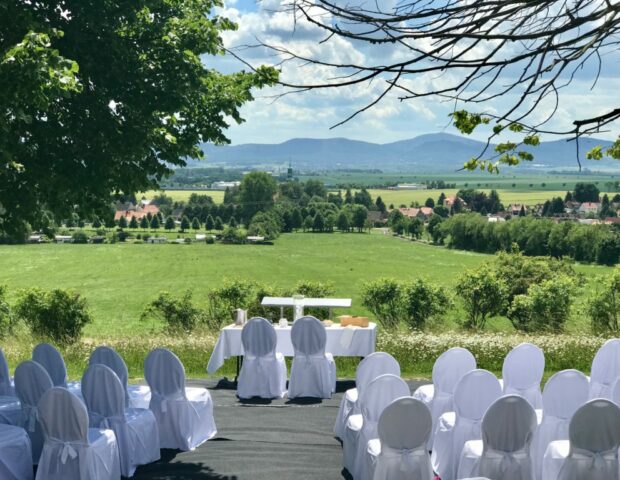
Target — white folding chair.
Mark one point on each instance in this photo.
(448, 369)
(31, 382)
(263, 373)
(136, 396)
(400, 451)
(51, 359)
(72, 451)
(563, 394)
(184, 414)
(522, 373)
(15, 454)
(313, 373)
(504, 451)
(605, 369)
(135, 428)
(375, 364)
(362, 427)
(10, 409)
(473, 395)
(591, 453)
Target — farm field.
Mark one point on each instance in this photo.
(118, 280)
(183, 195)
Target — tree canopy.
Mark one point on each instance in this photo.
(101, 97)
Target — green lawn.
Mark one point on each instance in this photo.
(120, 279)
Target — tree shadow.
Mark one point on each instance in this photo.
(304, 401)
(167, 468)
(255, 401)
(344, 385)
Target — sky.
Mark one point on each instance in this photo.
(273, 118)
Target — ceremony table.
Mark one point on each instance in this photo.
(341, 342)
(306, 302)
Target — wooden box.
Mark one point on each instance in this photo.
(346, 320)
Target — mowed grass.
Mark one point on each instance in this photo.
(183, 195)
(118, 280)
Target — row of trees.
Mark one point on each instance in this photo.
(532, 236)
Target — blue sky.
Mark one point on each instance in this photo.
(311, 114)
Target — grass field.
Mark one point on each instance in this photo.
(183, 195)
(119, 279)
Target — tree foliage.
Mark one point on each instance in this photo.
(99, 97)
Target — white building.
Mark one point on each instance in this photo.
(224, 185)
(409, 186)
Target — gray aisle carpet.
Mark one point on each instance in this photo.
(260, 440)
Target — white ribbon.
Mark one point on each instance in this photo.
(32, 415)
(66, 452)
(599, 460)
(409, 457)
(507, 459)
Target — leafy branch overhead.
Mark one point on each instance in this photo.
(101, 97)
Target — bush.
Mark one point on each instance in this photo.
(315, 290)
(59, 315)
(80, 237)
(421, 301)
(483, 294)
(6, 315)
(383, 298)
(233, 235)
(179, 314)
(604, 306)
(210, 240)
(545, 307)
(225, 299)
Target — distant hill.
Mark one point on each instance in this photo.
(425, 153)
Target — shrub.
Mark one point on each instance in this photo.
(233, 235)
(179, 314)
(6, 315)
(604, 306)
(223, 300)
(80, 237)
(210, 240)
(422, 300)
(546, 306)
(315, 290)
(56, 314)
(383, 298)
(483, 294)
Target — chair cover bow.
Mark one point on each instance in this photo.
(104, 422)
(66, 452)
(598, 459)
(407, 456)
(508, 460)
(31, 413)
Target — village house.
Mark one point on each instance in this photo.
(589, 209)
(129, 210)
(422, 213)
(515, 209)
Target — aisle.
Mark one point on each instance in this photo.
(279, 439)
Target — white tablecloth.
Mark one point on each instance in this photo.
(341, 342)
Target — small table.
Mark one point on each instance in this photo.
(306, 302)
(341, 342)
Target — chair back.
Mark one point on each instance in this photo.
(615, 392)
(375, 364)
(595, 427)
(450, 367)
(51, 359)
(405, 424)
(31, 382)
(104, 396)
(475, 393)
(110, 358)
(259, 338)
(308, 336)
(564, 393)
(63, 416)
(509, 424)
(5, 378)
(164, 373)
(379, 393)
(606, 364)
(522, 372)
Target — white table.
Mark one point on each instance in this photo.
(306, 302)
(339, 343)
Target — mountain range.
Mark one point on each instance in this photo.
(425, 153)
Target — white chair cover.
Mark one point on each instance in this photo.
(72, 451)
(313, 373)
(6, 389)
(31, 382)
(362, 427)
(615, 392)
(400, 451)
(135, 428)
(564, 393)
(184, 415)
(605, 369)
(263, 373)
(522, 373)
(474, 394)
(591, 453)
(375, 364)
(448, 369)
(15, 454)
(136, 396)
(504, 451)
(51, 359)
(10, 409)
